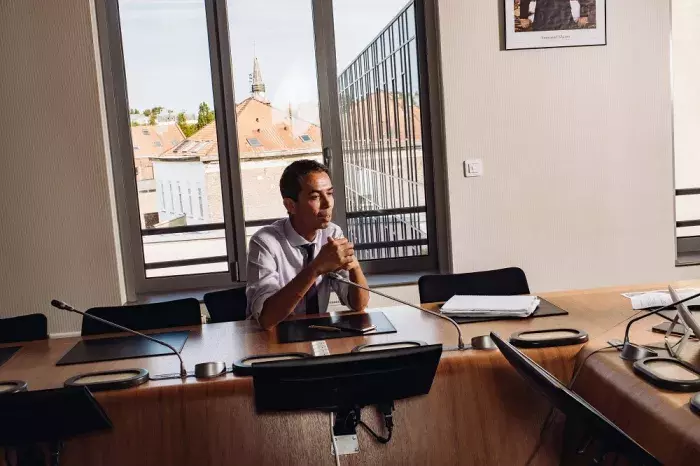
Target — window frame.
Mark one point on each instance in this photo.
(121, 149)
(118, 125)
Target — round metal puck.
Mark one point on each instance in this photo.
(243, 366)
(669, 374)
(385, 346)
(109, 380)
(695, 404)
(209, 370)
(483, 342)
(548, 338)
(12, 386)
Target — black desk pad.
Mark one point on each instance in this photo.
(671, 313)
(545, 309)
(115, 348)
(294, 331)
(7, 353)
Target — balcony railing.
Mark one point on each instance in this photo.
(688, 192)
(389, 247)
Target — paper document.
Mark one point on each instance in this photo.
(489, 306)
(661, 298)
(630, 294)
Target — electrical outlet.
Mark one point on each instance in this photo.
(347, 444)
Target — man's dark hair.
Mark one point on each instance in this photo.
(294, 174)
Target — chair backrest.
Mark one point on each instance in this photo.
(227, 305)
(23, 328)
(501, 282)
(576, 409)
(178, 313)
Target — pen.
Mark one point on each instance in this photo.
(325, 328)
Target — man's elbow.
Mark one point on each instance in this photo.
(266, 320)
(266, 323)
(359, 305)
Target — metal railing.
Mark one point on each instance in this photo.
(688, 192)
(378, 97)
(359, 245)
(687, 241)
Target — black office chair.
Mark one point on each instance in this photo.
(603, 436)
(23, 328)
(178, 313)
(501, 282)
(227, 305)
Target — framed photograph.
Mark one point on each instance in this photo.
(535, 24)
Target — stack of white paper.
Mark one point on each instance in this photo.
(660, 298)
(491, 306)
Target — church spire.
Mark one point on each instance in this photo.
(257, 88)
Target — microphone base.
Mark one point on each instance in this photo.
(209, 370)
(632, 352)
(455, 348)
(481, 342)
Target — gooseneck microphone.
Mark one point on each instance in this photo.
(66, 307)
(633, 352)
(460, 341)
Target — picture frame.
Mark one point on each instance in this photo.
(558, 23)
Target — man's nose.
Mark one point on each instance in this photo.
(326, 202)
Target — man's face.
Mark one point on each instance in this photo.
(314, 208)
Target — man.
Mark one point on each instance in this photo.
(555, 15)
(288, 260)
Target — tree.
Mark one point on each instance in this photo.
(153, 115)
(187, 129)
(205, 116)
(133, 111)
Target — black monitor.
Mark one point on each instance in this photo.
(28, 418)
(573, 406)
(345, 381)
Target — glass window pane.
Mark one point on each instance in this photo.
(378, 87)
(274, 63)
(686, 117)
(169, 86)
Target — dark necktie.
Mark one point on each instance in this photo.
(311, 297)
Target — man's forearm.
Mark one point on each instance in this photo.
(358, 298)
(281, 304)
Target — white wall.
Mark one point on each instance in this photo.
(686, 107)
(56, 233)
(577, 148)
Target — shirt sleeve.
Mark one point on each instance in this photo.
(342, 289)
(263, 277)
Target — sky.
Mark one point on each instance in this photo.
(166, 51)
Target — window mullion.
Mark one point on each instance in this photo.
(229, 160)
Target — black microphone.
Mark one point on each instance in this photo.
(460, 341)
(66, 307)
(633, 352)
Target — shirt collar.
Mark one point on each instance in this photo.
(294, 238)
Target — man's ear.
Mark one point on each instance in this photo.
(290, 205)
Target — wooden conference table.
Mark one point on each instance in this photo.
(478, 412)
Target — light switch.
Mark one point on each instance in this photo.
(473, 168)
